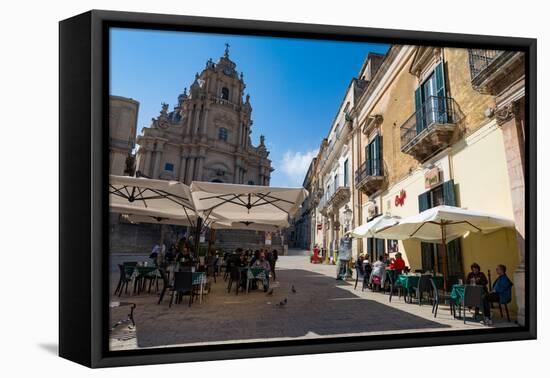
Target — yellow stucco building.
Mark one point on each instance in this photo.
(423, 136)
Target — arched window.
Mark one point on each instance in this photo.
(225, 93)
(222, 134)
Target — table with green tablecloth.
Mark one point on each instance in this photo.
(457, 293)
(410, 281)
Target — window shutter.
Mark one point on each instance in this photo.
(441, 93)
(449, 193)
(419, 110)
(378, 155)
(369, 248)
(423, 203)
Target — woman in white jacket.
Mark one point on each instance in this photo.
(378, 270)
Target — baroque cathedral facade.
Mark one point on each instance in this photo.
(206, 136)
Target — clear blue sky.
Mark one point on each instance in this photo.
(295, 85)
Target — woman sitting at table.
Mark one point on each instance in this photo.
(397, 265)
(477, 277)
(501, 293)
(378, 275)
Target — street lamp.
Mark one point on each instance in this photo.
(347, 216)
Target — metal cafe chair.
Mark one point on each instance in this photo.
(123, 281)
(183, 285)
(395, 285)
(473, 297)
(438, 297)
(422, 287)
(359, 274)
(165, 284)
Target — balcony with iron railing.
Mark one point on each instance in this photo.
(369, 177)
(334, 198)
(431, 128)
(489, 67)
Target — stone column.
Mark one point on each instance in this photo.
(146, 167)
(189, 120)
(189, 169)
(196, 121)
(158, 155)
(200, 164)
(510, 118)
(204, 125)
(183, 162)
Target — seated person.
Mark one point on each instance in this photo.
(262, 262)
(476, 276)
(378, 274)
(501, 293)
(397, 265)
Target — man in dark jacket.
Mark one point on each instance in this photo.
(501, 293)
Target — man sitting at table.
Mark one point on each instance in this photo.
(501, 293)
(397, 265)
(262, 262)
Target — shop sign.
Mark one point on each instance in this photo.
(432, 178)
(400, 198)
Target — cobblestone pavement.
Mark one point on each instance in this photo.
(321, 307)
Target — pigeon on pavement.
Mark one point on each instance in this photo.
(293, 289)
(283, 302)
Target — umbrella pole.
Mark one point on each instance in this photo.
(444, 255)
(198, 236)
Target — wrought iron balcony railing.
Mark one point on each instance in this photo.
(480, 59)
(369, 177)
(435, 111)
(372, 167)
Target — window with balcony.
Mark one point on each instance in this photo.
(373, 154)
(369, 177)
(431, 128)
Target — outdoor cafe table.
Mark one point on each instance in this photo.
(253, 274)
(410, 281)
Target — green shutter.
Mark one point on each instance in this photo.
(419, 109)
(449, 193)
(423, 203)
(378, 155)
(441, 93)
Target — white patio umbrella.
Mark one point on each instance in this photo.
(367, 230)
(247, 203)
(254, 226)
(144, 196)
(442, 224)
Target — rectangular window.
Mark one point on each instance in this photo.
(346, 178)
(443, 194)
(169, 167)
(373, 154)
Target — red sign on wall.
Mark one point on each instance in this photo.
(400, 198)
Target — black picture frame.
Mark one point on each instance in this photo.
(83, 166)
